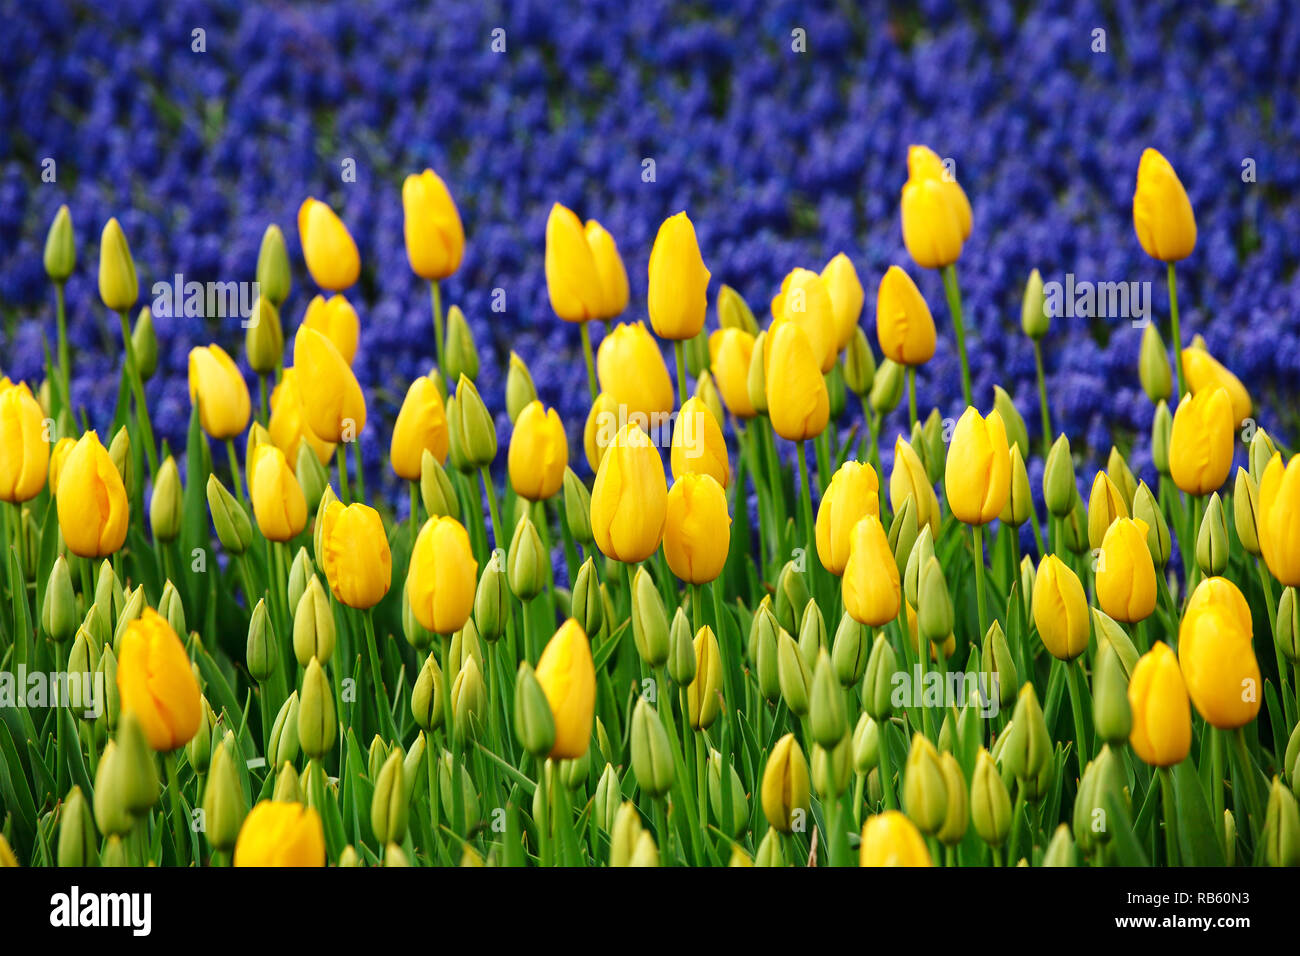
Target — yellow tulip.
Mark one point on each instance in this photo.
(1060, 609)
(281, 834)
(539, 453)
(93, 508)
(288, 425)
(355, 555)
(332, 402)
(435, 237)
(572, 278)
(335, 319)
(1224, 594)
(1126, 575)
(845, 289)
(805, 301)
(909, 478)
(1204, 372)
(698, 444)
(936, 214)
(1278, 519)
(697, 528)
(854, 493)
(977, 476)
(784, 790)
(331, 254)
(1162, 213)
(1200, 445)
(629, 500)
(442, 577)
(24, 446)
(218, 388)
(703, 703)
(609, 266)
(568, 678)
(1219, 666)
(904, 325)
(730, 352)
(870, 586)
(421, 426)
(632, 372)
(1162, 718)
(1105, 506)
(278, 502)
(62, 448)
(891, 839)
(600, 428)
(677, 297)
(797, 400)
(156, 684)
(118, 286)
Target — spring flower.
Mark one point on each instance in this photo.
(891, 839)
(1106, 505)
(539, 453)
(1225, 594)
(978, 471)
(332, 402)
(909, 477)
(697, 528)
(1162, 213)
(703, 703)
(288, 425)
(442, 577)
(421, 426)
(118, 286)
(335, 319)
(698, 444)
(93, 507)
(219, 390)
(568, 678)
(935, 211)
(1204, 372)
(630, 498)
(845, 289)
(354, 554)
(853, 493)
(904, 325)
(331, 254)
(62, 448)
(1126, 574)
(435, 238)
(584, 273)
(24, 448)
(600, 428)
(278, 501)
(805, 301)
(677, 298)
(1278, 519)
(730, 352)
(281, 834)
(871, 587)
(1219, 666)
(632, 372)
(156, 684)
(784, 790)
(1200, 446)
(1060, 609)
(609, 266)
(1162, 718)
(797, 400)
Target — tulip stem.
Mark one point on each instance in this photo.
(886, 767)
(361, 469)
(592, 386)
(234, 471)
(680, 352)
(1074, 671)
(1177, 334)
(1042, 400)
(65, 363)
(1248, 773)
(911, 396)
(436, 295)
(959, 327)
(977, 539)
(179, 842)
(137, 387)
(805, 495)
(491, 492)
(1288, 702)
(261, 389)
(1171, 815)
(415, 514)
(342, 456)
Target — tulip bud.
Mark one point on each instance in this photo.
(990, 803)
(118, 286)
(997, 667)
(934, 607)
(165, 506)
(726, 800)
(1111, 713)
(224, 807)
(520, 390)
(1028, 748)
(273, 275)
(1110, 632)
(812, 634)
(1034, 319)
(60, 247)
(468, 701)
(1245, 504)
(1105, 506)
(784, 788)
(472, 429)
(792, 672)
(59, 606)
(649, 620)
(770, 852)
(260, 648)
(877, 688)
(490, 609)
(234, 530)
(859, 364)
(1103, 777)
(112, 815)
(199, 750)
(681, 650)
(577, 508)
(1012, 421)
(849, 651)
(1020, 500)
(284, 744)
(534, 723)
(886, 387)
(427, 696)
(313, 625)
(1288, 624)
(606, 802)
(119, 452)
(78, 845)
(1147, 510)
(460, 354)
(135, 761)
(624, 836)
(1059, 489)
(652, 756)
(1262, 451)
(1153, 365)
(756, 382)
(389, 805)
(1212, 539)
(1281, 836)
(1162, 427)
(791, 597)
(317, 724)
(925, 788)
(903, 533)
(527, 561)
(1060, 849)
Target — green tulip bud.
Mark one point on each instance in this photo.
(1120, 473)
(958, 811)
(916, 438)
(1288, 624)
(464, 645)
(490, 609)
(791, 597)
(1245, 505)
(793, 675)
(264, 338)
(1162, 427)
(112, 703)
(764, 640)
(835, 391)
(1017, 433)
(301, 571)
(59, 606)
(1291, 759)
(468, 700)
(770, 852)
(652, 755)
(287, 789)
(574, 773)
(756, 381)
(311, 474)
(229, 518)
(1060, 850)
(577, 508)
(284, 745)
(527, 561)
(165, 505)
(877, 688)
(1153, 366)
(1028, 747)
(474, 429)
(260, 648)
(649, 620)
(1102, 777)
(1281, 835)
(436, 490)
(935, 440)
(118, 286)
(274, 278)
(1112, 716)
(866, 744)
(925, 789)
(389, 805)
(1262, 451)
(131, 610)
(520, 390)
(119, 451)
(1212, 539)
(990, 802)
(199, 749)
(934, 606)
(1075, 526)
(224, 806)
(460, 352)
(426, 697)
(734, 312)
(1147, 509)
(886, 387)
(313, 625)
(832, 767)
(412, 629)
(1020, 500)
(586, 605)
(904, 533)
(534, 722)
(1059, 488)
(607, 800)
(624, 835)
(812, 634)
(849, 650)
(317, 723)
(726, 801)
(681, 650)
(828, 720)
(112, 814)
(1034, 319)
(859, 364)
(136, 763)
(60, 247)
(997, 667)
(78, 844)
(145, 342)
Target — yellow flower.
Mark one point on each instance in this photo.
(904, 325)
(118, 286)
(218, 388)
(93, 508)
(870, 586)
(156, 683)
(632, 372)
(600, 428)
(1060, 609)
(854, 493)
(697, 528)
(1162, 717)
(1219, 666)
(1200, 445)
(698, 445)
(335, 319)
(677, 298)
(1105, 505)
(909, 478)
(355, 555)
(1126, 575)
(936, 214)
(332, 403)
(1204, 372)
(1278, 519)
(332, 257)
(805, 301)
(730, 352)
(978, 471)
(797, 399)
(281, 834)
(62, 448)
(539, 453)
(845, 289)
(629, 500)
(1225, 594)
(585, 277)
(1162, 213)
(288, 425)
(24, 447)
(609, 266)
(435, 238)
(568, 678)
(421, 426)
(278, 502)
(784, 789)
(890, 839)
(442, 577)
(702, 701)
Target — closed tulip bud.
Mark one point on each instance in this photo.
(891, 839)
(468, 701)
(846, 295)
(1212, 539)
(526, 561)
(78, 844)
(859, 364)
(1028, 748)
(703, 695)
(389, 805)
(791, 597)
(629, 500)
(264, 338)
(59, 606)
(990, 803)
(1288, 624)
(756, 381)
(1147, 511)
(1061, 609)
(797, 400)
(224, 807)
(435, 237)
(1278, 519)
(1281, 836)
(112, 815)
(229, 519)
(568, 676)
(866, 745)
(464, 645)
(606, 802)
(119, 453)
(1019, 505)
(624, 835)
(278, 502)
(534, 724)
(925, 788)
(132, 608)
(681, 650)
(935, 212)
(677, 299)
(1218, 663)
(461, 356)
(1060, 850)
(281, 834)
(904, 325)
(1162, 214)
(1034, 320)
(331, 254)
(573, 280)
(332, 403)
(871, 588)
(427, 696)
(1102, 778)
(1262, 451)
(317, 725)
(910, 478)
(288, 790)
(421, 428)
(697, 528)
(832, 767)
(260, 652)
(886, 387)
(313, 625)
(58, 455)
(849, 650)
(60, 247)
(734, 312)
(336, 320)
(631, 371)
(284, 743)
(539, 453)
(784, 789)
(1111, 711)
(355, 557)
(118, 286)
(1059, 489)
(93, 509)
(165, 503)
(1153, 365)
(156, 684)
(139, 788)
(586, 604)
(218, 390)
(827, 718)
(853, 492)
(724, 786)
(1200, 444)
(878, 685)
(934, 605)
(274, 278)
(649, 620)
(812, 634)
(731, 352)
(764, 653)
(958, 811)
(698, 446)
(793, 675)
(1126, 575)
(1245, 504)
(1017, 433)
(1162, 425)
(1105, 506)
(520, 390)
(652, 758)
(1161, 717)
(199, 750)
(998, 673)
(903, 533)
(436, 490)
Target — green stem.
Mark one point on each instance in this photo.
(1177, 334)
(1046, 412)
(959, 327)
(680, 352)
(911, 396)
(1171, 816)
(179, 841)
(488, 487)
(977, 538)
(436, 294)
(1074, 671)
(805, 496)
(415, 514)
(65, 362)
(342, 456)
(592, 381)
(234, 471)
(137, 387)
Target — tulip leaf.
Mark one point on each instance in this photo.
(1127, 847)
(1275, 719)
(1198, 840)
(609, 645)
(70, 753)
(13, 782)
(194, 535)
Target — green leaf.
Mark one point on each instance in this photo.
(1198, 831)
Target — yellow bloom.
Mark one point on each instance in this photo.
(1219, 666)
(332, 402)
(281, 834)
(288, 425)
(784, 789)
(1278, 519)
(1060, 609)
(355, 555)
(909, 478)
(1225, 594)
(629, 500)
(1105, 505)
(539, 453)
(1200, 445)
(1162, 717)
(936, 214)
(1162, 213)
(442, 577)
(805, 301)
(730, 352)
(797, 399)
(155, 682)
(218, 388)
(977, 476)
(703, 703)
(870, 586)
(600, 428)
(854, 493)
(891, 839)
(24, 447)
(278, 502)
(93, 508)
(609, 266)
(331, 254)
(421, 426)
(677, 298)
(1126, 575)
(1204, 372)
(697, 528)
(568, 678)
(845, 289)
(435, 238)
(335, 319)
(572, 278)
(904, 325)
(632, 372)
(698, 445)
(62, 448)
